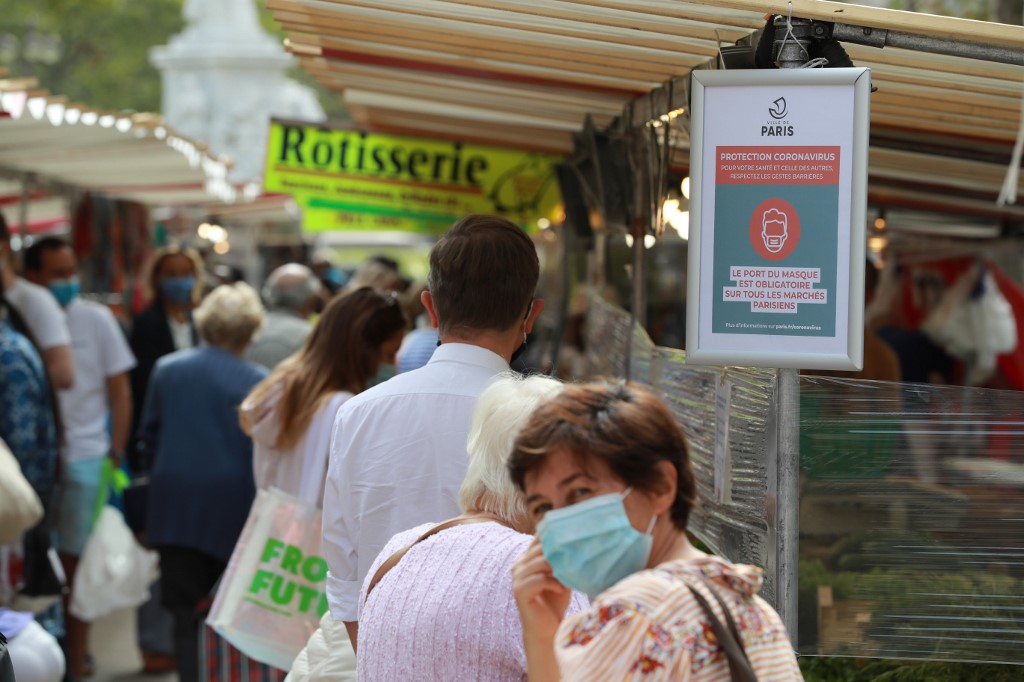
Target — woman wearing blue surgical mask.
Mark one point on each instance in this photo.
(607, 478)
(166, 326)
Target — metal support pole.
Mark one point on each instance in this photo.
(880, 37)
(598, 262)
(787, 498)
(639, 305)
(793, 38)
(566, 240)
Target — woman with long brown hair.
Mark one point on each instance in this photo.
(290, 414)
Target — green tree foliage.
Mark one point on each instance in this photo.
(102, 58)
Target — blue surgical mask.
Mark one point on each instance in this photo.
(336, 276)
(177, 289)
(592, 545)
(65, 290)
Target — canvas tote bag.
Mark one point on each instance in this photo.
(273, 592)
(20, 507)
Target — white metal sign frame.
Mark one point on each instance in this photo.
(778, 146)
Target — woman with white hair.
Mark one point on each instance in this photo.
(437, 603)
(201, 480)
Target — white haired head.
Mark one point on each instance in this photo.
(229, 317)
(500, 412)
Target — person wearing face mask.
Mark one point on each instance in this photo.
(607, 479)
(101, 391)
(165, 327)
(290, 414)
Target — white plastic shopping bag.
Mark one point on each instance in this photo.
(273, 592)
(114, 572)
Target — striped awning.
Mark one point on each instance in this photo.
(528, 72)
(61, 146)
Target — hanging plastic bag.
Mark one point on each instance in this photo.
(974, 322)
(273, 592)
(114, 572)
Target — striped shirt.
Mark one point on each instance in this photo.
(649, 627)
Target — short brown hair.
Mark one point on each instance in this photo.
(620, 424)
(483, 275)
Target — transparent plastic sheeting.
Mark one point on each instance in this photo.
(737, 530)
(911, 499)
(911, 521)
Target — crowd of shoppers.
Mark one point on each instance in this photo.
(476, 524)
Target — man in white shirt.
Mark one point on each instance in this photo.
(43, 317)
(102, 390)
(398, 454)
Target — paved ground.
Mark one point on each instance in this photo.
(112, 643)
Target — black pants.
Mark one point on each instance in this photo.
(187, 577)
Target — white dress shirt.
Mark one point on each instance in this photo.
(398, 457)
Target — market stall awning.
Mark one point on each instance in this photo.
(57, 146)
(528, 72)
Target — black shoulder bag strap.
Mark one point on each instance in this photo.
(730, 640)
(6, 669)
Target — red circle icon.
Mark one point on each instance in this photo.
(774, 229)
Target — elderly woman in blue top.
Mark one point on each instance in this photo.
(201, 481)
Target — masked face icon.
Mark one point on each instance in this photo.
(774, 230)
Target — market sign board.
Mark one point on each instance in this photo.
(778, 166)
(355, 180)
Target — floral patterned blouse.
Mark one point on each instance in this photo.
(26, 418)
(649, 627)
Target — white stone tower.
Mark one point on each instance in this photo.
(224, 77)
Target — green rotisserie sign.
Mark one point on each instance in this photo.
(353, 180)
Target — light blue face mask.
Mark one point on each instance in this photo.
(65, 290)
(592, 545)
(177, 289)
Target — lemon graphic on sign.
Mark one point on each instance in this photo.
(521, 188)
